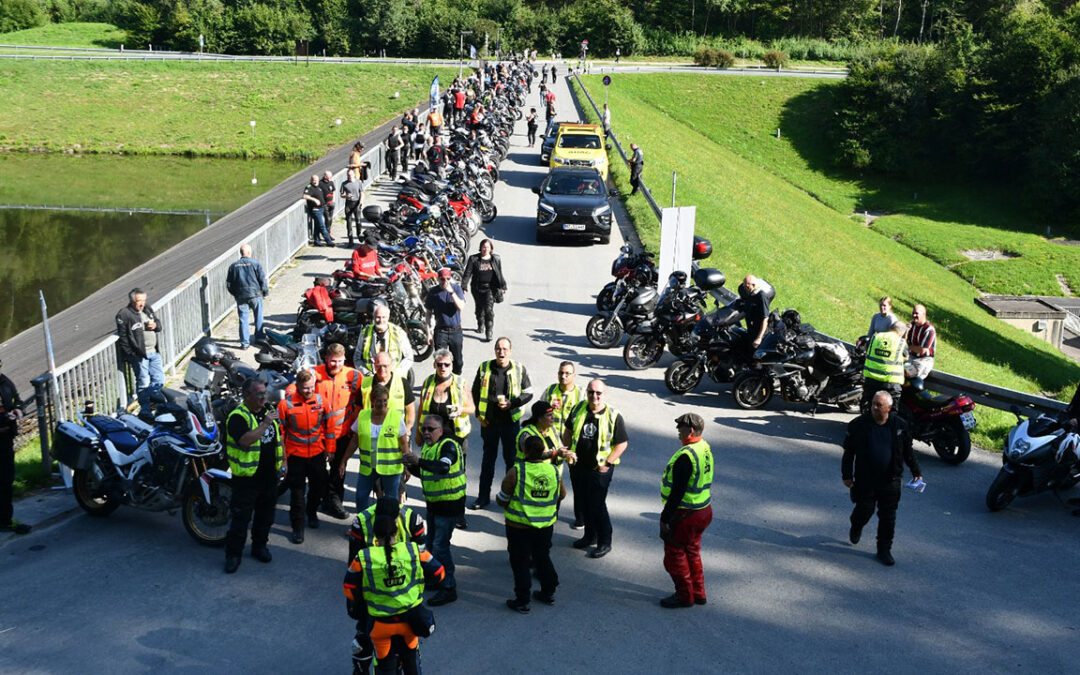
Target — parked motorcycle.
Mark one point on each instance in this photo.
(175, 464)
(941, 421)
(1040, 454)
(678, 310)
(715, 344)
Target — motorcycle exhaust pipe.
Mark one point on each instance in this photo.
(853, 395)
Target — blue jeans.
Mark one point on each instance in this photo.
(365, 484)
(149, 378)
(244, 309)
(320, 226)
(440, 529)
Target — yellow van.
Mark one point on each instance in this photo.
(580, 145)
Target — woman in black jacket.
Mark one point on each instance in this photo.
(484, 278)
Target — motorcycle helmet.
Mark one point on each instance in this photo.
(207, 351)
(791, 318)
(1067, 449)
(334, 332)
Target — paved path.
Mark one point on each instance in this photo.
(971, 592)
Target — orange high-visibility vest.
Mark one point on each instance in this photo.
(337, 391)
(304, 425)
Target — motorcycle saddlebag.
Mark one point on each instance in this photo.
(832, 356)
(74, 446)
(709, 278)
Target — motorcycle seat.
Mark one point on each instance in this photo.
(115, 431)
(929, 399)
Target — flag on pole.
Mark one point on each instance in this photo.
(472, 51)
(435, 92)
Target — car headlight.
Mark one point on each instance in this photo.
(602, 211)
(555, 159)
(544, 207)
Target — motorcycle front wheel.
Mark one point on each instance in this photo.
(420, 341)
(953, 442)
(1003, 490)
(88, 493)
(488, 211)
(643, 351)
(603, 332)
(682, 376)
(605, 301)
(752, 389)
(207, 523)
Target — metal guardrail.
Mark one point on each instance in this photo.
(982, 393)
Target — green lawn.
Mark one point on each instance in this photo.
(200, 109)
(92, 35)
(772, 212)
(28, 472)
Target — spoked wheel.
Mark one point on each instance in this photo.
(605, 301)
(1002, 491)
(682, 376)
(953, 443)
(603, 331)
(207, 523)
(752, 389)
(488, 211)
(643, 351)
(420, 341)
(90, 495)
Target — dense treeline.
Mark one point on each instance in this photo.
(996, 96)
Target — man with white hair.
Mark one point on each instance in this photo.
(246, 282)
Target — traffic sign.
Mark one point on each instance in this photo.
(607, 80)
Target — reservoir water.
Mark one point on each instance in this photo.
(70, 224)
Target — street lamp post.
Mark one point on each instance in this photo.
(461, 50)
(253, 128)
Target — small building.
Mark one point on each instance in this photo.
(1041, 316)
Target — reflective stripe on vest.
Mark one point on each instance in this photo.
(549, 437)
(462, 425)
(391, 587)
(699, 487)
(885, 358)
(387, 451)
(394, 336)
(397, 392)
(362, 524)
(606, 424)
(536, 495)
(513, 386)
(304, 440)
(567, 401)
(347, 381)
(445, 487)
(242, 462)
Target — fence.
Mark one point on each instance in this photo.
(982, 393)
(187, 313)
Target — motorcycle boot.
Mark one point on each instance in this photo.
(362, 655)
(261, 553)
(489, 328)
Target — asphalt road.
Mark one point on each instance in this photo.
(971, 592)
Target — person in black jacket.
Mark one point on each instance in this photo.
(10, 415)
(246, 282)
(876, 447)
(138, 328)
(484, 271)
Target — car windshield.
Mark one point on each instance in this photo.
(582, 141)
(574, 185)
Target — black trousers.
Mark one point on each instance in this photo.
(885, 498)
(7, 476)
(252, 496)
(532, 135)
(579, 485)
(336, 482)
(594, 500)
(450, 338)
(531, 545)
(485, 308)
(352, 218)
(493, 434)
(313, 470)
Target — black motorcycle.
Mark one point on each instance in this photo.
(677, 312)
(606, 329)
(804, 369)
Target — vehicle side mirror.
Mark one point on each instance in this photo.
(614, 192)
(607, 145)
(536, 189)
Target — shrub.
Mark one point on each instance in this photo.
(20, 14)
(774, 59)
(724, 58)
(704, 56)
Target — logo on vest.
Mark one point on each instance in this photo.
(395, 575)
(541, 489)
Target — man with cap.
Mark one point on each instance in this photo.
(446, 302)
(365, 259)
(686, 493)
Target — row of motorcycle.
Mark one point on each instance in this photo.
(1041, 452)
(172, 459)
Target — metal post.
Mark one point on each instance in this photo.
(674, 177)
(41, 396)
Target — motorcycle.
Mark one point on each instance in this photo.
(177, 463)
(605, 330)
(630, 270)
(943, 422)
(677, 312)
(715, 344)
(804, 369)
(1040, 454)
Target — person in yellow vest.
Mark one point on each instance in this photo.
(382, 438)
(253, 447)
(501, 387)
(563, 395)
(383, 336)
(305, 418)
(530, 493)
(883, 368)
(399, 387)
(596, 434)
(338, 384)
(542, 425)
(444, 393)
(441, 468)
(383, 587)
(686, 491)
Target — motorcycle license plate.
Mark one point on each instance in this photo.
(968, 419)
(573, 226)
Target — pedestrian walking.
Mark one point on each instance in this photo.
(484, 279)
(596, 434)
(137, 327)
(435, 121)
(338, 384)
(686, 490)
(305, 417)
(246, 282)
(618, 54)
(553, 73)
(253, 448)
(876, 447)
(532, 124)
(351, 191)
(637, 164)
(444, 394)
(446, 302)
(314, 201)
(501, 387)
(382, 438)
(607, 121)
(530, 493)
(10, 415)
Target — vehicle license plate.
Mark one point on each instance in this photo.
(968, 419)
(573, 226)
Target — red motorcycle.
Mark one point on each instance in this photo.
(941, 421)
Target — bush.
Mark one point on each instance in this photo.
(20, 14)
(774, 59)
(724, 58)
(704, 56)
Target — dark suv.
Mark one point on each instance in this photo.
(551, 132)
(573, 203)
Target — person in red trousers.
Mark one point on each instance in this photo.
(686, 491)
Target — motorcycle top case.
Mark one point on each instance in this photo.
(702, 248)
(74, 446)
(709, 278)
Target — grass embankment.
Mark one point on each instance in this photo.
(200, 108)
(28, 472)
(79, 35)
(768, 211)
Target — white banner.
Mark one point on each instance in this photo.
(676, 241)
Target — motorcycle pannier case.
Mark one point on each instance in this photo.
(74, 446)
(709, 278)
(833, 356)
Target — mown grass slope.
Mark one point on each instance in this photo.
(76, 34)
(753, 201)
